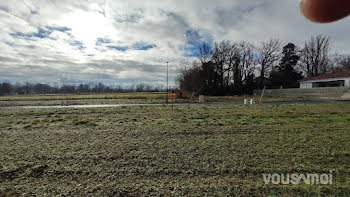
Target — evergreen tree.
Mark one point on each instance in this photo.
(285, 75)
(290, 58)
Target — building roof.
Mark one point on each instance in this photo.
(337, 74)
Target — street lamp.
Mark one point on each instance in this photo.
(167, 83)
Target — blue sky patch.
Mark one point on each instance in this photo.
(42, 32)
(194, 41)
(193, 37)
(61, 29)
(101, 41)
(118, 48)
(78, 44)
(143, 46)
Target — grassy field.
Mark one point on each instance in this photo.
(113, 98)
(191, 150)
(83, 99)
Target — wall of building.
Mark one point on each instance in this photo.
(347, 82)
(308, 84)
(337, 93)
(305, 85)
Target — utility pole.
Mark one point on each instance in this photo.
(167, 83)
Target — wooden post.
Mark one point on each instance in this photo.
(262, 94)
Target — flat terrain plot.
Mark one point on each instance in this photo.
(114, 98)
(191, 150)
(84, 99)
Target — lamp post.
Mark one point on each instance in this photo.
(167, 83)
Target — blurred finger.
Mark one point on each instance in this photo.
(323, 11)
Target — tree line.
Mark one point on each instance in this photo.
(230, 68)
(6, 88)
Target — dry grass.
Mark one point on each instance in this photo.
(194, 150)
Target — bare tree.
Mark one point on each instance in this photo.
(341, 62)
(219, 58)
(232, 60)
(189, 77)
(205, 53)
(6, 88)
(269, 53)
(315, 56)
(243, 67)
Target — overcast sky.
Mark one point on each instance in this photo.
(130, 41)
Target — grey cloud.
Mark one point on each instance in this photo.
(8, 59)
(132, 17)
(4, 8)
(124, 65)
(45, 74)
(177, 18)
(79, 49)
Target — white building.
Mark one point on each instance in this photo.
(336, 79)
